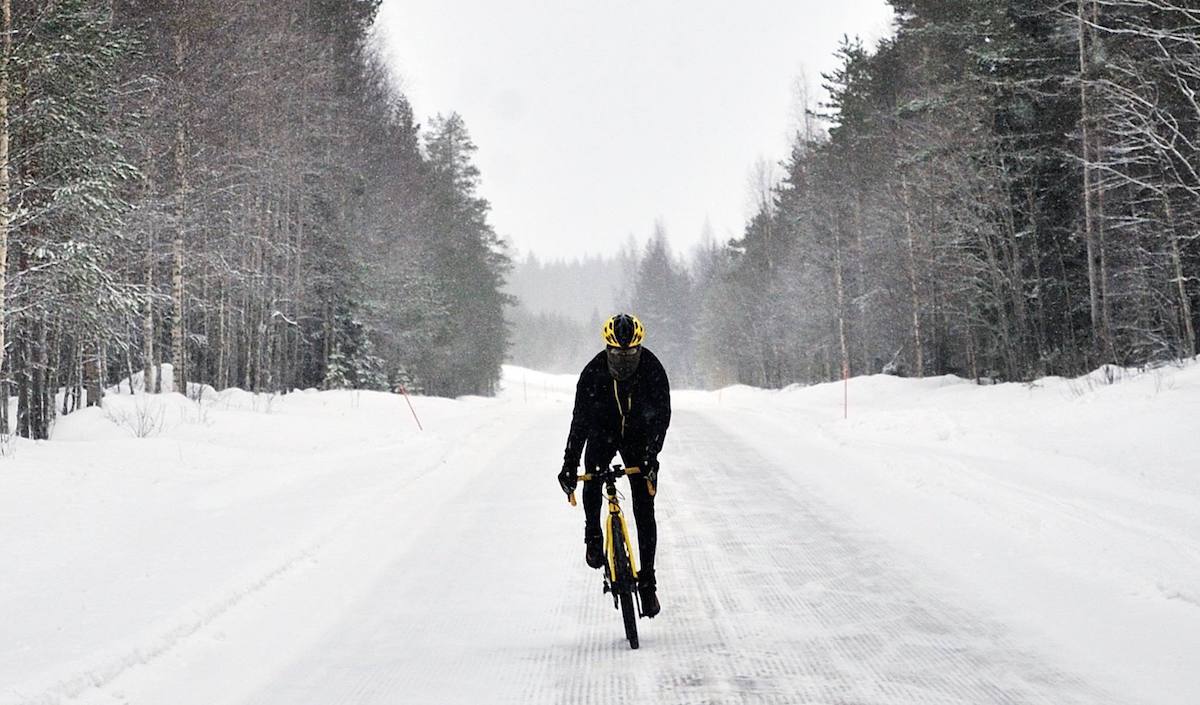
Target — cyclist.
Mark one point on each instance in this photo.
(622, 405)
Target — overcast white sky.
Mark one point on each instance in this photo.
(594, 118)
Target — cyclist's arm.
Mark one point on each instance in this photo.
(579, 420)
(659, 416)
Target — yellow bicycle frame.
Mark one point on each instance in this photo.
(614, 510)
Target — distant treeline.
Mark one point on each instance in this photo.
(236, 188)
(561, 307)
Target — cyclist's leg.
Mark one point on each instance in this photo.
(643, 514)
(595, 456)
(647, 529)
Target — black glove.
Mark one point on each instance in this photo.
(567, 479)
(650, 470)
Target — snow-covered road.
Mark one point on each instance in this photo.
(768, 597)
(797, 564)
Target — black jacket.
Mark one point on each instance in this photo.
(639, 425)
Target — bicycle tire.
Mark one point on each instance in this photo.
(624, 586)
(629, 614)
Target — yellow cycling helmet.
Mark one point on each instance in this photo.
(623, 331)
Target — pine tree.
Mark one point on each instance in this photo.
(67, 180)
(470, 262)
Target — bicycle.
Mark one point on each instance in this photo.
(620, 578)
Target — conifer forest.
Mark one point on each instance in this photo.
(1007, 190)
(239, 189)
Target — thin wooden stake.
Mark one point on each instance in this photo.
(410, 407)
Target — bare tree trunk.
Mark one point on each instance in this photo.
(245, 332)
(863, 286)
(840, 289)
(45, 375)
(71, 388)
(177, 362)
(177, 349)
(1016, 289)
(37, 382)
(5, 218)
(22, 373)
(298, 288)
(1185, 304)
(92, 375)
(1105, 301)
(1110, 349)
(202, 359)
(75, 380)
(327, 347)
(918, 345)
(103, 368)
(1101, 344)
(243, 339)
(266, 324)
(1039, 323)
(995, 271)
(149, 383)
(128, 369)
(221, 375)
(972, 359)
(284, 267)
(269, 377)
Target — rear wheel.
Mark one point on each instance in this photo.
(623, 585)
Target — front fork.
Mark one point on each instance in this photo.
(616, 516)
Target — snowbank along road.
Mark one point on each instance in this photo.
(946, 544)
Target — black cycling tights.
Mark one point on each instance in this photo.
(643, 506)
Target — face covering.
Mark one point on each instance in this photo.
(623, 362)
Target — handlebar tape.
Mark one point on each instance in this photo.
(628, 471)
(586, 477)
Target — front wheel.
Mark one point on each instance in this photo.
(623, 585)
(629, 613)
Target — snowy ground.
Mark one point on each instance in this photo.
(947, 543)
